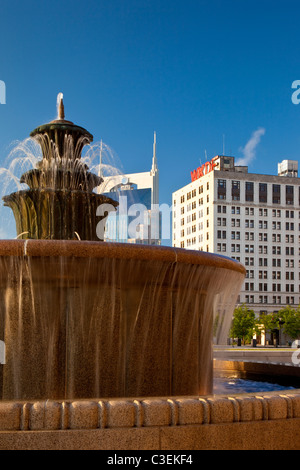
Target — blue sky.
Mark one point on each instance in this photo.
(198, 72)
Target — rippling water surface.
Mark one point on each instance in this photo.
(228, 385)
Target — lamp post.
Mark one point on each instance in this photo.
(280, 323)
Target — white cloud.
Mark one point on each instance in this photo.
(249, 150)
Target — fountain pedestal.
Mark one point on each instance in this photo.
(92, 319)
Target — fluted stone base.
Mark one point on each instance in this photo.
(270, 421)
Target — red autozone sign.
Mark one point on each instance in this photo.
(204, 169)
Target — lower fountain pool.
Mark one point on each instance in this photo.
(233, 384)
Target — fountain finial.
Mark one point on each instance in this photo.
(60, 107)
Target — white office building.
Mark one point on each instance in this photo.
(252, 218)
(137, 219)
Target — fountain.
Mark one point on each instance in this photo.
(60, 204)
(84, 318)
(110, 345)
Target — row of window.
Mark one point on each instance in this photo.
(272, 299)
(289, 275)
(262, 212)
(236, 210)
(263, 249)
(263, 237)
(192, 194)
(262, 192)
(275, 262)
(263, 287)
(249, 223)
(289, 226)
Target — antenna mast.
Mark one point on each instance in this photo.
(100, 163)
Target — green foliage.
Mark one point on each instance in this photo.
(243, 323)
(289, 321)
(266, 322)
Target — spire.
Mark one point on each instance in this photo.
(154, 159)
(60, 107)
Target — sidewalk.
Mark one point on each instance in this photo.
(257, 354)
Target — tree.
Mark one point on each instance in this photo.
(266, 322)
(243, 323)
(289, 320)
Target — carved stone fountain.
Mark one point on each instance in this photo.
(84, 318)
(60, 203)
(109, 346)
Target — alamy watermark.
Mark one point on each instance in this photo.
(295, 96)
(296, 354)
(2, 92)
(134, 221)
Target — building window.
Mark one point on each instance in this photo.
(249, 210)
(235, 190)
(289, 214)
(289, 225)
(249, 191)
(289, 195)
(221, 209)
(263, 187)
(276, 193)
(221, 189)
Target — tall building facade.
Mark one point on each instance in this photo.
(137, 219)
(252, 218)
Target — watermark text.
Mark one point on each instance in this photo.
(2, 352)
(2, 92)
(134, 221)
(296, 354)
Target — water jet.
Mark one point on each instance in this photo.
(60, 201)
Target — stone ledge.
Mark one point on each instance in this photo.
(148, 412)
(259, 368)
(98, 249)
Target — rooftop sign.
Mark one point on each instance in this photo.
(204, 169)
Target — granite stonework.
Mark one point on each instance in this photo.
(266, 421)
(269, 354)
(248, 369)
(83, 319)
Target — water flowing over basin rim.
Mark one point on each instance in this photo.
(91, 249)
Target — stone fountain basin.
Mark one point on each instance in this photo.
(91, 319)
